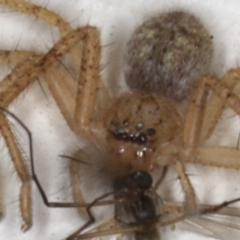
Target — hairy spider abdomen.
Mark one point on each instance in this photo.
(167, 54)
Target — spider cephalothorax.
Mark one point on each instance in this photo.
(147, 128)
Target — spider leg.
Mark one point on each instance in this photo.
(203, 114)
(195, 121)
(219, 157)
(191, 133)
(23, 74)
(226, 94)
(190, 197)
(160, 179)
(21, 169)
(75, 179)
(26, 73)
(223, 95)
(77, 100)
(19, 58)
(216, 104)
(81, 101)
(191, 136)
(38, 12)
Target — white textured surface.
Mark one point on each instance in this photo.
(115, 19)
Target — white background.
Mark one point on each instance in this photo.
(116, 20)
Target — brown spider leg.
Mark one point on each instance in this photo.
(63, 91)
(90, 74)
(212, 114)
(194, 121)
(21, 169)
(18, 80)
(13, 84)
(90, 99)
(190, 197)
(226, 94)
(219, 157)
(56, 86)
(38, 12)
(191, 137)
(197, 127)
(159, 181)
(78, 101)
(96, 202)
(25, 199)
(225, 157)
(10, 88)
(17, 56)
(84, 96)
(23, 75)
(78, 197)
(16, 156)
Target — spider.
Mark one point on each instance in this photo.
(7, 98)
